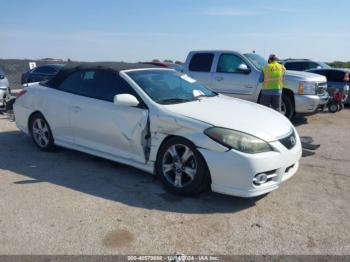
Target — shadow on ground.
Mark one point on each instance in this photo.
(103, 178)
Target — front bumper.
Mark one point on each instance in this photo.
(232, 172)
(310, 103)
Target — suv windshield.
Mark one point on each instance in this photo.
(169, 87)
(258, 61)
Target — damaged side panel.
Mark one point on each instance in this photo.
(163, 126)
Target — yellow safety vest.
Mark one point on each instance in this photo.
(273, 76)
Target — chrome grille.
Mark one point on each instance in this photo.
(321, 87)
(289, 141)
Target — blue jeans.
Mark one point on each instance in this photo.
(274, 101)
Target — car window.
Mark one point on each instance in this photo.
(72, 83)
(297, 66)
(335, 76)
(312, 65)
(229, 63)
(45, 70)
(98, 84)
(201, 62)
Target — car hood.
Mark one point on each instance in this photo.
(236, 114)
(304, 76)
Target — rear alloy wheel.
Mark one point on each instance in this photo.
(181, 167)
(41, 133)
(287, 108)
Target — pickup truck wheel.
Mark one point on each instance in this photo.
(287, 108)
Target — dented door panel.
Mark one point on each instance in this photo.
(103, 126)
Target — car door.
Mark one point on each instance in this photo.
(56, 105)
(101, 126)
(199, 68)
(233, 76)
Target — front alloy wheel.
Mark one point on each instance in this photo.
(179, 165)
(182, 168)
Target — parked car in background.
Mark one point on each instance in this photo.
(337, 78)
(5, 91)
(41, 73)
(176, 67)
(240, 75)
(165, 123)
(303, 64)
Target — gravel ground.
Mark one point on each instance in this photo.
(68, 202)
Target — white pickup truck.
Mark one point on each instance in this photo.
(240, 75)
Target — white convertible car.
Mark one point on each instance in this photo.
(165, 123)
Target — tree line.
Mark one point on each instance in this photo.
(339, 64)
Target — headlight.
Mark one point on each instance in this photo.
(307, 88)
(238, 140)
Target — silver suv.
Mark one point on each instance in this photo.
(240, 75)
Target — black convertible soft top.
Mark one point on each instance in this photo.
(110, 66)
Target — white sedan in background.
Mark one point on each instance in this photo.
(164, 123)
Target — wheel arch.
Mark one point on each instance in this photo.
(167, 138)
(290, 94)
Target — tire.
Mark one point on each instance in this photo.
(187, 177)
(41, 133)
(288, 110)
(333, 107)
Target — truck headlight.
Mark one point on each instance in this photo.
(238, 140)
(307, 88)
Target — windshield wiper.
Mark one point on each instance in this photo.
(174, 100)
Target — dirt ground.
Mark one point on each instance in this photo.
(68, 202)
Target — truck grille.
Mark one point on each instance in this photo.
(321, 87)
(289, 141)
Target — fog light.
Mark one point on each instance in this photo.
(260, 179)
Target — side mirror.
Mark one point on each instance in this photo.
(243, 68)
(126, 100)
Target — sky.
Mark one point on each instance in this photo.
(143, 30)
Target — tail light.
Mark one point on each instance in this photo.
(21, 93)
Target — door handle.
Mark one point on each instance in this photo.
(248, 86)
(76, 109)
(219, 78)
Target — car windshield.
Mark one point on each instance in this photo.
(169, 87)
(324, 65)
(258, 61)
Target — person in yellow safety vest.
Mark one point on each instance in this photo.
(271, 92)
